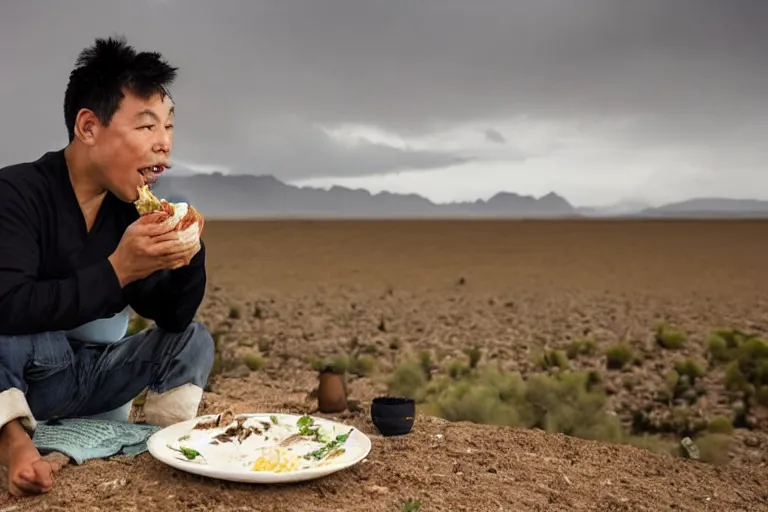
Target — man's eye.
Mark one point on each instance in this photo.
(169, 127)
(146, 127)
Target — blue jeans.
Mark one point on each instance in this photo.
(62, 377)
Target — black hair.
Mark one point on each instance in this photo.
(104, 70)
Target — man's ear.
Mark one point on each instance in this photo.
(87, 126)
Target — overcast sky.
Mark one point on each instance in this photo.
(598, 100)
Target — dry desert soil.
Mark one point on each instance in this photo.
(405, 301)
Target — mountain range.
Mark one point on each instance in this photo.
(248, 196)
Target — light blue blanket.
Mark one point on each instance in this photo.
(83, 439)
(105, 434)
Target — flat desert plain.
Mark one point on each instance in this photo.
(538, 340)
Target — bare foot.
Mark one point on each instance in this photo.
(28, 473)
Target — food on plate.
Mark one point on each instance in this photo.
(182, 216)
(260, 443)
(277, 461)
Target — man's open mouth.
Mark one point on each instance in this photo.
(151, 173)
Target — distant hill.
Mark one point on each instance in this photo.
(248, 196)
(709, 207)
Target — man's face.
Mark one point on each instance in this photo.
(136, 146)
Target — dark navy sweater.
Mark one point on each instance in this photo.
(55, 275)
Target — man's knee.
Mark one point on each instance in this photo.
(33, 357)
(200, 346)
(178, 397)
(30, 360)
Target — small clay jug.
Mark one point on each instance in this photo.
(331, 392)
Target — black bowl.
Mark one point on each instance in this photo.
(393, 416)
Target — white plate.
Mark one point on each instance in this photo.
(218, 460)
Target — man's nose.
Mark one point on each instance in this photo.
(164, 142)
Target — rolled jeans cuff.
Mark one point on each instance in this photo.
(14, 406)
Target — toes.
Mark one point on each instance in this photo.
(43, 473)
(22, 487)
(26, 474)
(57, 460)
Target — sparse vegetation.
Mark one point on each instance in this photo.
(512, 311)
(336, 364)
(689, 368)
(618, 356)
(552, 359)
(361, 365)
(474, 354)
(669, 337)
(234, 313)
(410, 505)
(584, 347)
(253, 361)
(714, 448)
(458, 370)
(745, 360)
(720, 425)
(568, 402)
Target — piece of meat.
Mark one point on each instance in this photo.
(192, 216)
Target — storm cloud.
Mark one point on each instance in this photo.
(677, 85)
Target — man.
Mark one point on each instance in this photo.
(73, 252)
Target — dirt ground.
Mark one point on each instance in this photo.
(289, 291)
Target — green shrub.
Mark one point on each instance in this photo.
(669, 337)
(691, 369)
(552, 359)
(714, 448)
(335, 364)
(720, 425)
(410, 505)
(361, 366)
(474, 354)
(567, 402)
(746, 371)
(254, 361)
(408, 380)
(458, 370)
(618, 356)
(425, 360)
(718, 348)
(683, 422)
(654, 443)
(580, 348)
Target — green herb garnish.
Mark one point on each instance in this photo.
(331, 447)
(189, 453)
(305, 424)
(307, 427)
(274, 419)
